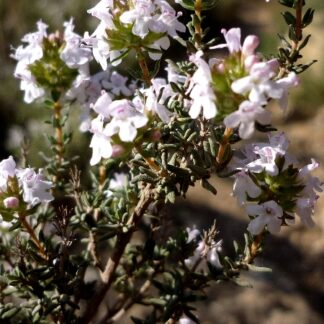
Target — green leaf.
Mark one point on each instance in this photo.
(170, 197)
(7, 215)
(287, 3)
(258, 269)
(10, 313)
(190, 4)
(289, 18)
(292, 34)
(304, 42)
(308, 17)
(208, 186)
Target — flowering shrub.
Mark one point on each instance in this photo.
(151, 139)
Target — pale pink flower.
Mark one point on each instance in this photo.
(248, 113)
(267, 214)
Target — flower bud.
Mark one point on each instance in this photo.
(251, 42)
(156, 135)
(11, 202)
(117, 150)
(221, 68)
(250, 61)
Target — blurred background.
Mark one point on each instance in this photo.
(294, 291)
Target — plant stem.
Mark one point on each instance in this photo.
(222, 146)
(122, 240)
(128, 304)
(102, 176)
(294, 44)
(59, 146)
(150, 161)
(144, 68)
(30, 230)
(198, 29)
(298, 27)
(254, 249)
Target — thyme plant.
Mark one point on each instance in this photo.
(70, 252)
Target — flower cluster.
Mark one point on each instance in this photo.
(116, 126)
(124, 118)
(88, 90)
(272, 189)
(19, 186)
(167, 134)
(238, 87)
(50, 61)
(142, 24)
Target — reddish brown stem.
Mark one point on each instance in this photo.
(144, 68)
(254, 249)
(30, 230)
(222, 146)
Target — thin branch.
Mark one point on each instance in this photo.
(222, 146)
(123, 239)
(30, 230)
(59, 147)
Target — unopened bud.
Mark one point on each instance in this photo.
(54, 37)
(250, 61)
(251, 42)
(156, 135)
(117, 150)
(221, 68)
(11, 202)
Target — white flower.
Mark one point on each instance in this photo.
(156, 16)
(233, 40)
(7, 169)
(266, 162)
(193, 234)
(249, 46)
(117, 183)
(244, 186)
(174, 74)
(100, 142)
(279, 142)
(141, 17)
(201, 92)
(125, 120)
(102, 11)
(305, 210)
(186, 320)
(306, 203)
(26, 56)
(212, 256)
(162, 91)
(198, 253)
(169, 19)
(267, 214)
(100, 47)
(291, 80)
(35, 187)
(258, 85)
(248, 113)
(73, 54)
(102, 104)
(117, 85)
